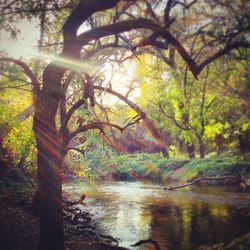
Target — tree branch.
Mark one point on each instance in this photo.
(123, 98)
(173, 119)
(99, 125)
(26, 70)
(71, 111)
(204, 179)
(115, 28)
(221, 53)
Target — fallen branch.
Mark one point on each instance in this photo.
(204, 179)
(153, 242)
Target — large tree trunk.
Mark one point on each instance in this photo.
(52, 144)
(48, 200)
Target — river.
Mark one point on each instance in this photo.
(182, 219)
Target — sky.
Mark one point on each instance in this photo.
(25, 47)
(26, 44)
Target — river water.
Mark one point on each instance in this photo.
(182, 219)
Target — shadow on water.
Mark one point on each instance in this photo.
(183, 219)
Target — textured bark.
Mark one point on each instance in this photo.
(51, 142)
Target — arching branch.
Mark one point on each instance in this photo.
(26, 70)
(100, 125)
(71, 111)
(149, 123)
(115, 28)
(121, 97)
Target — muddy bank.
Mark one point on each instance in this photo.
(20, 228)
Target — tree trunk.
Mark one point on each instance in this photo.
(191, 151)
(3, 164)
(244, 141)
(48, 200)
(201, 148)
(51, 144)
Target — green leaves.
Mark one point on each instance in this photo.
(215, 105)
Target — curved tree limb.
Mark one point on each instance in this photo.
(149, 124)
(115, 28)
(150, 241)
(26, 70)
(100, 124)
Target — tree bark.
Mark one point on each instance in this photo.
(49, 202)
(52, 142)
(191, 151)
(49, 159)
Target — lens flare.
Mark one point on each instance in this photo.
(73, 64)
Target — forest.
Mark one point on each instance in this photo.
(124, 124)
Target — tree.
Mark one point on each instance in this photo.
(53, 115)
(13, 122)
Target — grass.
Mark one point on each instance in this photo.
(230, 163)
(157, 168)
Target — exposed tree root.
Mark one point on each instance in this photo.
(205, 179)
(81, 222)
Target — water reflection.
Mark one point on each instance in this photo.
(182, 219)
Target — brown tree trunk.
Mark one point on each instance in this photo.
(191, 151)
(48, 200)
(244, 141)
(201, 148)
(3, 164)
(51, 144)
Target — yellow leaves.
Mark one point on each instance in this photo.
(215, 128)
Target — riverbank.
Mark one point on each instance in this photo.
(155, 168)
(20, 226)
(183, 219)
